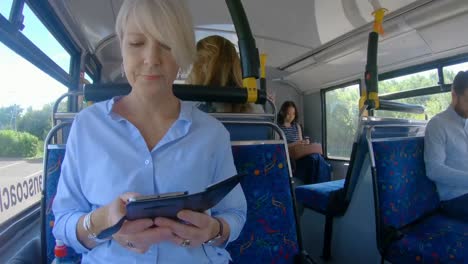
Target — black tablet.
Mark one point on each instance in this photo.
(169, 204)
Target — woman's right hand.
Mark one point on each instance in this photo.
(138, 235)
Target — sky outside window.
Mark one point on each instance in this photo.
(24, 84)
(5, 7)
(452, 70)
(35, 31)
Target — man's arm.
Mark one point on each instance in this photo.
(435, 155)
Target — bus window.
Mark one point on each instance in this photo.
(26, 97)
(5, 7)
(341, 119)
(434, 104)
(88, 78)
(452, 70)
(409, 82)
(35, 31)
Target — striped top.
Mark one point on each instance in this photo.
(291, 133)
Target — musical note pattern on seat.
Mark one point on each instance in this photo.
(408, 203)
(269, 234)
(437, 239)
(405, 192)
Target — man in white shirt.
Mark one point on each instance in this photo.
(446, 151)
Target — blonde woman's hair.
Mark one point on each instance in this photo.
(217, 64)
(168, 21)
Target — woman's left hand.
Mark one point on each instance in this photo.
(197, 229)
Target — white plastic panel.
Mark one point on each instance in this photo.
(291, 21)
(401, 48)
(279, 52)
(393, 50)
(96, 18)
(450, 34)
(331, 20)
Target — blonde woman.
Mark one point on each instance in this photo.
(217, 64)
(147, 142)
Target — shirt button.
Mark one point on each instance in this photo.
(146, 162)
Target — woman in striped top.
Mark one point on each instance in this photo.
(287, 121)
(308, 164)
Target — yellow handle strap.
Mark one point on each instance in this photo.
(378, 20)
(373, 96)
(251, 85)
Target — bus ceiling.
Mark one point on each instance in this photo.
(313, 44)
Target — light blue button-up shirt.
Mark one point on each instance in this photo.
(446, 153)
(106, 156)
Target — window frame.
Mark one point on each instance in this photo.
(93, 67)
(438, 65)
(324, 115)
(12, 37)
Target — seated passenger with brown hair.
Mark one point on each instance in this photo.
(217, 64)
(307, 161)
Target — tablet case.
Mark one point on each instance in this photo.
(169, 205)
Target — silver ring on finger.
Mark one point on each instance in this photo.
(185, 243)
(130, 244)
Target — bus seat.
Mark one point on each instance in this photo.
(333, 198)
(321, 197)
(249, 132)
(271, 232)
(409, 227)
(53, 158)
(243, 127)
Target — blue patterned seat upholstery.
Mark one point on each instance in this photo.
(436, 239)
(410, 229)
(269, 234)
(321, 197)
(54, 158)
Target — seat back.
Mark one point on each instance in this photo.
(403, 193)
(243, 127)
(53, 158)
(253, 132)
(270, 234)
(378, 128)
(358, 153)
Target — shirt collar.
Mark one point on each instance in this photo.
(186, 110)
(457, 117)
(109, 105)
(179, 129)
